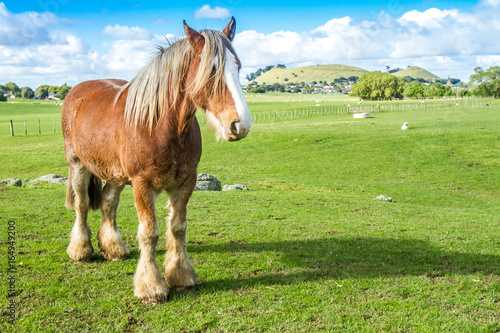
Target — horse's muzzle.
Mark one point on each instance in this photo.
(235, 131)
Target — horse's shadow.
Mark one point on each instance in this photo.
(340, 258)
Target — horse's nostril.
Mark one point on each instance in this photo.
(233, 127)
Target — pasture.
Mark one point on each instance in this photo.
(306, 249)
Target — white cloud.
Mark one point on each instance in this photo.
(429, 19)
(214, 13)
(447, 42)
(124, 32)
(25, 28)
(36, 48)
(126, 57)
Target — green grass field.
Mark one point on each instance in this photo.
(307, 249)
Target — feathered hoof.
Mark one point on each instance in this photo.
(186, 290)
(116, 254)
(80, 253)
(151, 290)
(151, 297)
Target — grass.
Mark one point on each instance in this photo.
(309, 74)
(417, 73)
(307, 249)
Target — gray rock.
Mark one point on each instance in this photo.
(12, 182)
(207, 183)
(52, 178)
(235, 188)
(383, 197)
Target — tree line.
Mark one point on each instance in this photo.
(260, 71)
(378, 86)
(41, 92)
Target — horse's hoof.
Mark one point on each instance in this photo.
(186, 290)
(154, 301)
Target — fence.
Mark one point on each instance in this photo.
(387, 107)
(261, 117)
(37, 127)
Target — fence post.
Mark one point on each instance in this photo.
(25, 128)
(11, 128)
(39, 128)
(54, 125)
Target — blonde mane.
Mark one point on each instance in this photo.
(155, 89)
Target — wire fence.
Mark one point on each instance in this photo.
(38, 127)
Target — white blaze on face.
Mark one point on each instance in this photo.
(233, 84)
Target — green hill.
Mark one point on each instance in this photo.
(416, 72)
(308, 74)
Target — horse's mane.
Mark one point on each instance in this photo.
(155, 89)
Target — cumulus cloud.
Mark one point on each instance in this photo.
(447, 42)
(34, 51)
(126, 57)
(124, 32)
(214, 13)
(25, 28)
(36, 48)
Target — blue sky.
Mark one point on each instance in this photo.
(65, 41)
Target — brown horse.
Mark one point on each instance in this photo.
(144, 133)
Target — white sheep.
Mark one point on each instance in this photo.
(405, 126)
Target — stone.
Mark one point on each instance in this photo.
(52, 178)
(237, 187)
(383, 197)
(206, 182)
(12, 182)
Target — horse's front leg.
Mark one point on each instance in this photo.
(149, 286)
(179, 273)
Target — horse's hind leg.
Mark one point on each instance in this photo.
(179, 273)
(80, 247)
(108, 237)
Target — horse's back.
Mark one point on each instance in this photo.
(90, 96)
(89, 119)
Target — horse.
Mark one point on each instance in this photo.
(144, 133)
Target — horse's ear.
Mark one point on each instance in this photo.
(196, 40)
(230, 29)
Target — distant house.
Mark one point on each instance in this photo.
(9, 94)
(52, 96)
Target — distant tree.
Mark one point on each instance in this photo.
(280, 66)
(464, 92)
(42, 92)
(11, 86)
(378, 85)
(258, 90)
(27, 92)
(63, 91)
(438, 90)
(414, 89)
(480, 75)
(3, 98)
(488, 81)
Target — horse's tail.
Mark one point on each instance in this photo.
(94, 191)
(70, 194)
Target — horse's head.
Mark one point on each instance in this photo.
(213, 81)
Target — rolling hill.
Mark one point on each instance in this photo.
(328, 73)
(309, 73)
(417, 73)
